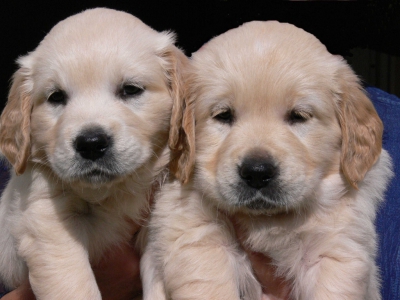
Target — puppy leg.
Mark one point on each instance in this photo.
(350, 278)
(203, 269)
(55, 251)
(13, 270)
(339, 273)
(249, 287)
(196, 251)
(153, 286)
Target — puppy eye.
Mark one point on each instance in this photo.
(58, 98)
(298, 116)
(130, 90)
(225, 117)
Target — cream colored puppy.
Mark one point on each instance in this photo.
(87, 118)
(289, 146)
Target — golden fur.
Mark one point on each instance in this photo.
(267, 99)
(85, 125)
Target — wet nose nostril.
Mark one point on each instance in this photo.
(92, 144)
(257, 172)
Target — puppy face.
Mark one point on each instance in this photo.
(94, 99)
(272, 110)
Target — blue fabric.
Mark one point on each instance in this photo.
(388, 220)
(3, 290)
(4, 176)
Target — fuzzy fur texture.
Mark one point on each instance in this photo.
(67, 207)
(271, 96)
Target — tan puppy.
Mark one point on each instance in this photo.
(87, 118)
(289, 146)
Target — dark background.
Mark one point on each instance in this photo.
(372, 26)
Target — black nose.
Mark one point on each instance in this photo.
(257, 172)
(92, 143)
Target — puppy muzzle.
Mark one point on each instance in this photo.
(93, 148)
(92, 144)
(258, 184)
(257, 172)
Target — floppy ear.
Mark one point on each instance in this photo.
(181, 135)
(15, 122)
(361, 129)
(182, 139)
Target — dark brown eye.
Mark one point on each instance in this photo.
(130, 90)
(225, 117)
(58, 98)
(298, 116)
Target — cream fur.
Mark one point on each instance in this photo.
(294, 104)
(64, 210)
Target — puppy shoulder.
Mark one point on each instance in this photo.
(181, 208)
(174, 194)
(17, 188)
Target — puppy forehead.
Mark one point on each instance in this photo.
(94, 27)
(258, 90)
(98, 42)
(263, 64)
(271, 39)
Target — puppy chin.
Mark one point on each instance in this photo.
(97, 177)
(94, 185)
(92, 193)
(270, 201)
(260, 206)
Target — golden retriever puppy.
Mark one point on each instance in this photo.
(87, 118)
(289, 147)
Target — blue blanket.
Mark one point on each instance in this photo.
(388, 221)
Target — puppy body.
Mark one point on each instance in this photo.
(85, 127)
(289, 147)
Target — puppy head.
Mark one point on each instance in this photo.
(275, 114)
(93, 101)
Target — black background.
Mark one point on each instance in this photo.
(341, 26)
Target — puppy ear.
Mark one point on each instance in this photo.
(361, 129)
(182, 138)
(181, 134)
(15, 121)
